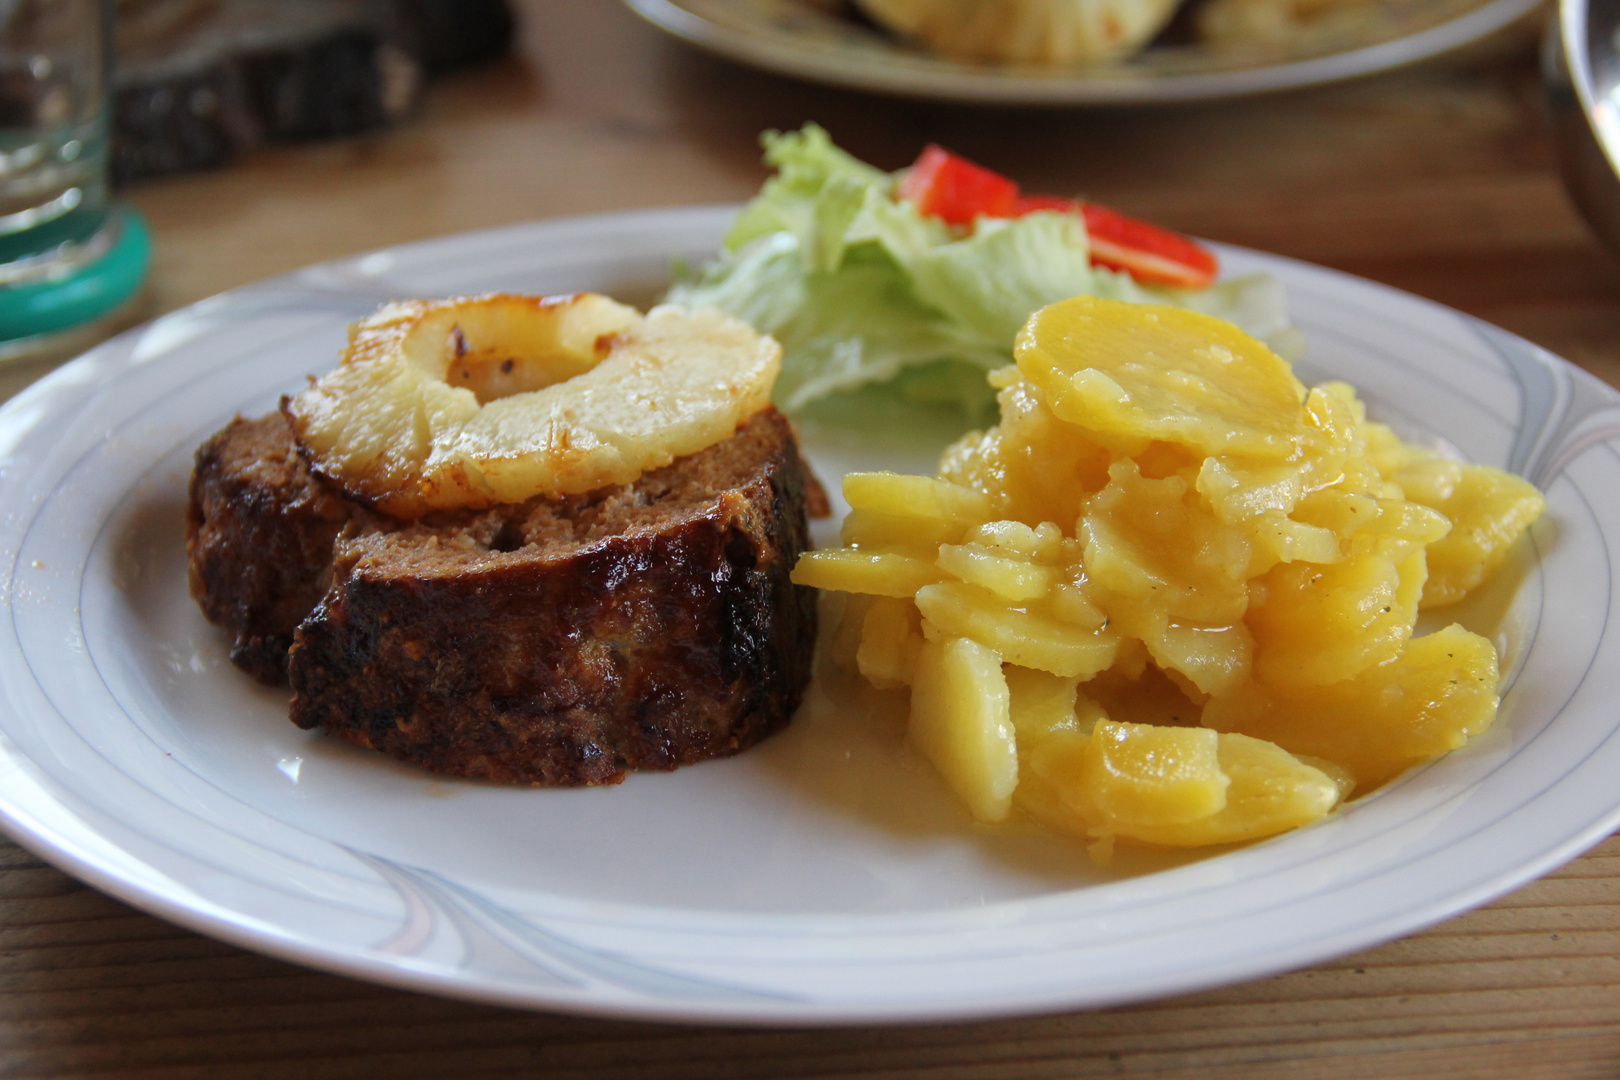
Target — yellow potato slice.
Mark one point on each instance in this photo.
(1035, 466)
(1042, 704)
(1140, 774)
(1146, 371)
(1155, 551)
(1021, 637)
(900, 534)
(1322, 624)
(1489, 510)
(960, 722)
(1044, 543)
(1271, 792)
(859, 571)
(1215, 659)
(891, 638)
(1437, 693)
(842, 650)
(917, 496)
(1012, 578)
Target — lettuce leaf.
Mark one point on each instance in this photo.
(861, 289)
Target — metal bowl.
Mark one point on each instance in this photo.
(1580, 62)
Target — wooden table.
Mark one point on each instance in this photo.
(1439, 180)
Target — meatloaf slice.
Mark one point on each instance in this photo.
(559, 641)
(259, 536)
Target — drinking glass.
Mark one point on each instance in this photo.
(68, 254)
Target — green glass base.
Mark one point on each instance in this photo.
(83, 291)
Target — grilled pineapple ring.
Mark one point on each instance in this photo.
(439, 405)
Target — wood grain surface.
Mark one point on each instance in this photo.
(1437, 179)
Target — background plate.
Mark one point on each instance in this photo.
(824, 876)
(792, 38)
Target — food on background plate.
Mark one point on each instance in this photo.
(534, 540)
(920, 280)
(1077, 34)
(1280, 27)
(1170, 597)
(1051, 32)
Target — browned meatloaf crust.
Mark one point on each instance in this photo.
(560, 641)
(259, 536)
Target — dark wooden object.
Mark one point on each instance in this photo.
(199, 82)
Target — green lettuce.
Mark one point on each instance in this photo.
(861, 289)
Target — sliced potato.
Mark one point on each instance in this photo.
(1138, 372)
(961, 722)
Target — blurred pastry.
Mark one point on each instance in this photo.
(1051, 32)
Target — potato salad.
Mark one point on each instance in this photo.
(1170, 598)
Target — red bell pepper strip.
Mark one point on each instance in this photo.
(954, 189)
(1146, 252)
(1028, 204)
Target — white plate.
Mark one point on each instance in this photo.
(793, 38)
(824, 876)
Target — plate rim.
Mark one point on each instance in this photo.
(948, 82)
(62, 850)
